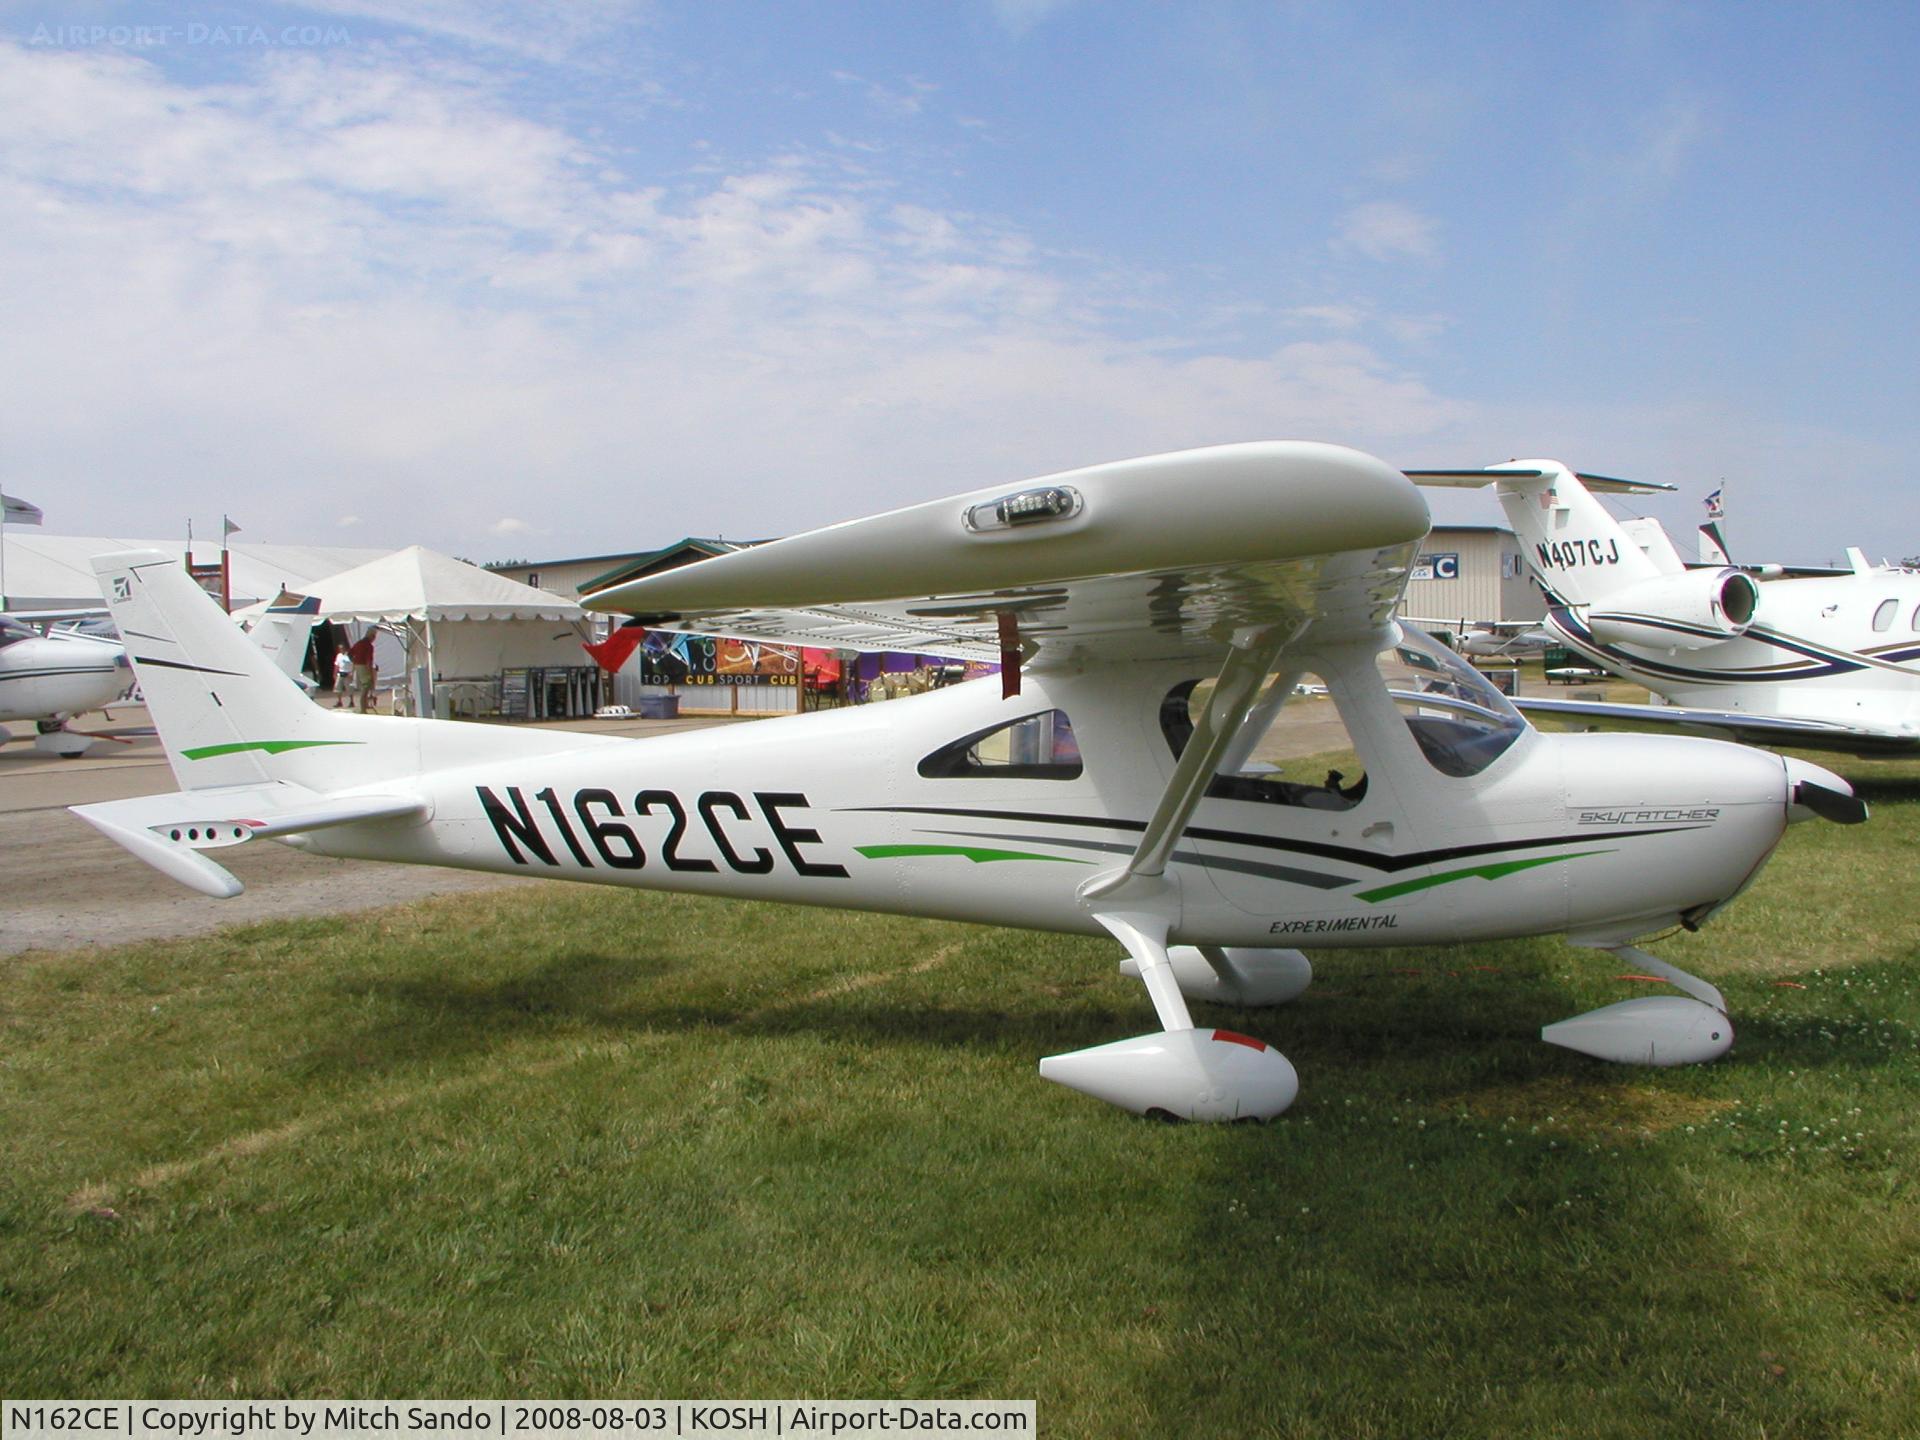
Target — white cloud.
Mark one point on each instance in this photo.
(1388, 230)
(346, 287)
(508, 525)
(1017, 17)
(552, 33)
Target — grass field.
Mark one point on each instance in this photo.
(567, 1142)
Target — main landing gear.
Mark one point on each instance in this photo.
(1183, 1073)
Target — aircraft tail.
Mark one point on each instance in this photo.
(284, 628)
(1573, 545)
(222, 704)
(228, 715)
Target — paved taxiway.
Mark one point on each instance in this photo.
(68, 886)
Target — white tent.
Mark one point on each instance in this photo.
(462, 625)
(55, 572)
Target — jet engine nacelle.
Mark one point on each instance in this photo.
(1678, 612)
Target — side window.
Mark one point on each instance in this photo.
(1036, 747)
(1460, 722)
(1883, 617)
(1303, 758)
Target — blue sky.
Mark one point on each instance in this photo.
(515, 282)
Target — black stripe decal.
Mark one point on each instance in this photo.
(177, 665)
(1388, 864)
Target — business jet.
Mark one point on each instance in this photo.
(1817, 660)
(1154, 619)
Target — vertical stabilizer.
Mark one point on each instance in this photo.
(284, 629)
(222, 705)
(1572, 543)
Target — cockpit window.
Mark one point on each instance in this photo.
(1461, 723)
(1036, 747)
(1303, 757)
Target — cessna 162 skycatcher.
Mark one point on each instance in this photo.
(1155, 618)
(1822, 661)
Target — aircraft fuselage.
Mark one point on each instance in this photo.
(1617, 835)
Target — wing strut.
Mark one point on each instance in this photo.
(1249, 660)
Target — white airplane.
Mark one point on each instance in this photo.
(1155, 618)
(1817, 660)
(52, 677)
(1505, 642)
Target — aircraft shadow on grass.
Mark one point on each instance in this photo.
(1453, 1018)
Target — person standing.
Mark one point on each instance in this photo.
(342, 676)
(364, 674)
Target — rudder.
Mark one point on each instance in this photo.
(222, 706)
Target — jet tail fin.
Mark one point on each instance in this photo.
(1575, 548)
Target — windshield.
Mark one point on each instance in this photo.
(1462, 724)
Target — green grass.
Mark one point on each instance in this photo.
(580, 1143)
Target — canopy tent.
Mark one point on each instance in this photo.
(460, 624)
(55, 572)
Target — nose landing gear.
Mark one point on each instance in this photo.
(1652, 1030)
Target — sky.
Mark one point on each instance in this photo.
(527, 282)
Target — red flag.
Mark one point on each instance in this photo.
(614, 651)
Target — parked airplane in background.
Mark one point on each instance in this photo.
(1155, 618)
(1506, 642)
(1817, 660)
(51, 676)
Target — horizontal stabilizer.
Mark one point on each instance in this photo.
(172, 832)
(1474, 479)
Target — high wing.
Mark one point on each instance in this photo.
(1244, 556)
(1769, 730)
(1140, 559)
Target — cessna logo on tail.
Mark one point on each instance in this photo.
(1574, 554)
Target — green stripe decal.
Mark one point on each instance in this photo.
(272, 747)
(971, 852)
(1483, 872)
